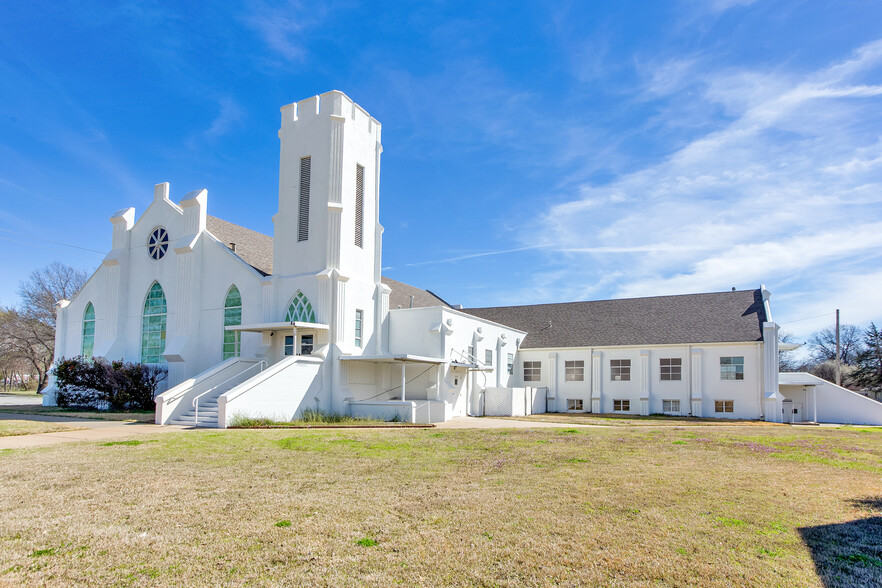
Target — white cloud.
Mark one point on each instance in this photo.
(786, 189)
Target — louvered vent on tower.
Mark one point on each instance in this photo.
(359, 205)
(303, 218)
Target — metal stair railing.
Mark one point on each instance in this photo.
(261, 364)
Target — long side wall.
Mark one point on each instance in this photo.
(699, 387)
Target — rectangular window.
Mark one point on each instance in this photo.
(488, 357)
(731, 368)
(359, 205)
(574, 371)
(724, 406)
(671, 406)
(306, 345)
(621, 405)
(359, 318)
(671, 369)
(532, 371)
(303, 213)
(510, 362)
(471, 354)
(619, 370)
(574, 404)
(289, 344)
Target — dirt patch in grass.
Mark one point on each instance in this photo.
(10, 428)
(593, 506)
(104, 415)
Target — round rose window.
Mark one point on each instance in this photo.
(157, 244)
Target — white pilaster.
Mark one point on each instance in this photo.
(695, 382)
(644, 382)
(596, 382)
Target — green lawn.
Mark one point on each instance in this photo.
(703, 506)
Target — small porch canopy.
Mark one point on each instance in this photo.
(402, 359)
(472, 367)
(796, 379)
(270, 327)
(288, 327)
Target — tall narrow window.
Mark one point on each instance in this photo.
(359, 319)
(532, 371)
(303, 213)
(153, 323)
(510, 362)
(88, 331)
(488, 357)
(232, 317)
(300, 310)
(359, 205)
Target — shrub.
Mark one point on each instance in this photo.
(97, 383)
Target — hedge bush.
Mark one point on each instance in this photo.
(101, 384)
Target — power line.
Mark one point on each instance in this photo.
(37, 246)
(29, 236)
(807, 318)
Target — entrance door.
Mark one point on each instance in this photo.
(787, 409)
(797, 413)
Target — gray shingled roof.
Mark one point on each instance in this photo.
(689, 318)
(255, 249)
(401, 293)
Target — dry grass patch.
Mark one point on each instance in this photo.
(630, 420)
(720, 506)
(104, 415)
(10, 428)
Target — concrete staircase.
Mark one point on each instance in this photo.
(207, 410)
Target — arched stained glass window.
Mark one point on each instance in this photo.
(153, 324)
(88, 331)
(232, 317)
(300, 309)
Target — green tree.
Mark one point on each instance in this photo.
(868, 374)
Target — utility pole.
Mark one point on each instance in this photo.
(838, 364)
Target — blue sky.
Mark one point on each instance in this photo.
(533, 152)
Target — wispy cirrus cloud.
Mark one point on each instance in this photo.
(786, 183)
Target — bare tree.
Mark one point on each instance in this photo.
(46, 286)
(28, 332)
(823, 344)
(786, 361)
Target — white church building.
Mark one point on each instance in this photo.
(262, 326)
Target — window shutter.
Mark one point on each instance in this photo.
(303, 219)
(359, 205)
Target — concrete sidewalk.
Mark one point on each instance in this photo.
(93, 430)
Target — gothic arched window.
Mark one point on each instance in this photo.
(232, 317)
(88, 331)
(300, 309)
(153, 323)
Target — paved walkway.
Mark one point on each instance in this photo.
(101, 430)
(93, 430)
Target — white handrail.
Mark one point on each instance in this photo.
(213, 372)
(261, 364)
